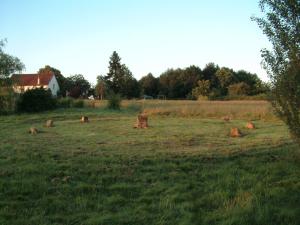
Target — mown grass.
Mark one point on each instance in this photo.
(182, 170)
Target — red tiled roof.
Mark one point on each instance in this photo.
(32, 79)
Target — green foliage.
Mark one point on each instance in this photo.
(129, 86)
(281, 25)
(115, 74)
(178, 84)
(78, 103)
(149, 85)
(209, 73)
(101, 87)
(225, 77)
(114, 101)
(238, 89)
(7, 100)
(77, 86)
(120, 80)
(8, 64)
(203, 89)
(64, 102)
(36, 100)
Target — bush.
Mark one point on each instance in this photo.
(64, 103)
(114, 102)
(79, 103)
(7, 100)
(239, 89)
(36, 100)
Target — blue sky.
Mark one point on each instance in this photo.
(78, 36)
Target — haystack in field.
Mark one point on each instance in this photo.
(141, 121)
(49, 123)
(84, 119)
(33, 130)
(235, 132)
(250, 125)
(226, 118)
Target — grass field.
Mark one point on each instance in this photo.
(184, 169)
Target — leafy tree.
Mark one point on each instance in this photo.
(252, 80)
(238, 89)
(149, 85)
(77, 86)
(203, 89)
(281, 24)
(61, 80)
(209, 73)
(225, 77)
(8, 65)
(100, 87)
(170, 84)
(129, 86)
(189, 78)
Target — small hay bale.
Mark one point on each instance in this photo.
(33, 130)
(226, 118)
(141, 121)
(235, 132)
(250, 125)
(84, 119)
(49, 123)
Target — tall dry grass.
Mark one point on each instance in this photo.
(241, 109)
(251, 110)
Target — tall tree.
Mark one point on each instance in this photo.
(202, 89)
(129, 86)
(115, 73)
(77, 86)
(225, 77)
(209, 73)
(149, 85)
(189, 77)
(119, 78)
(281, 24)
(8, 65)
(171, 85)
(256, 85)
(100, 87)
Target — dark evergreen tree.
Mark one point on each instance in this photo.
(115, 75)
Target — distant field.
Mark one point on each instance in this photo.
(184, 169)
(250, 110)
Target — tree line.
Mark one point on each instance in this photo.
(211, 82)
(192, 82)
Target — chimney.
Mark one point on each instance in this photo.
(38, 80)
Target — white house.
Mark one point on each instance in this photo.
(24, 82)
